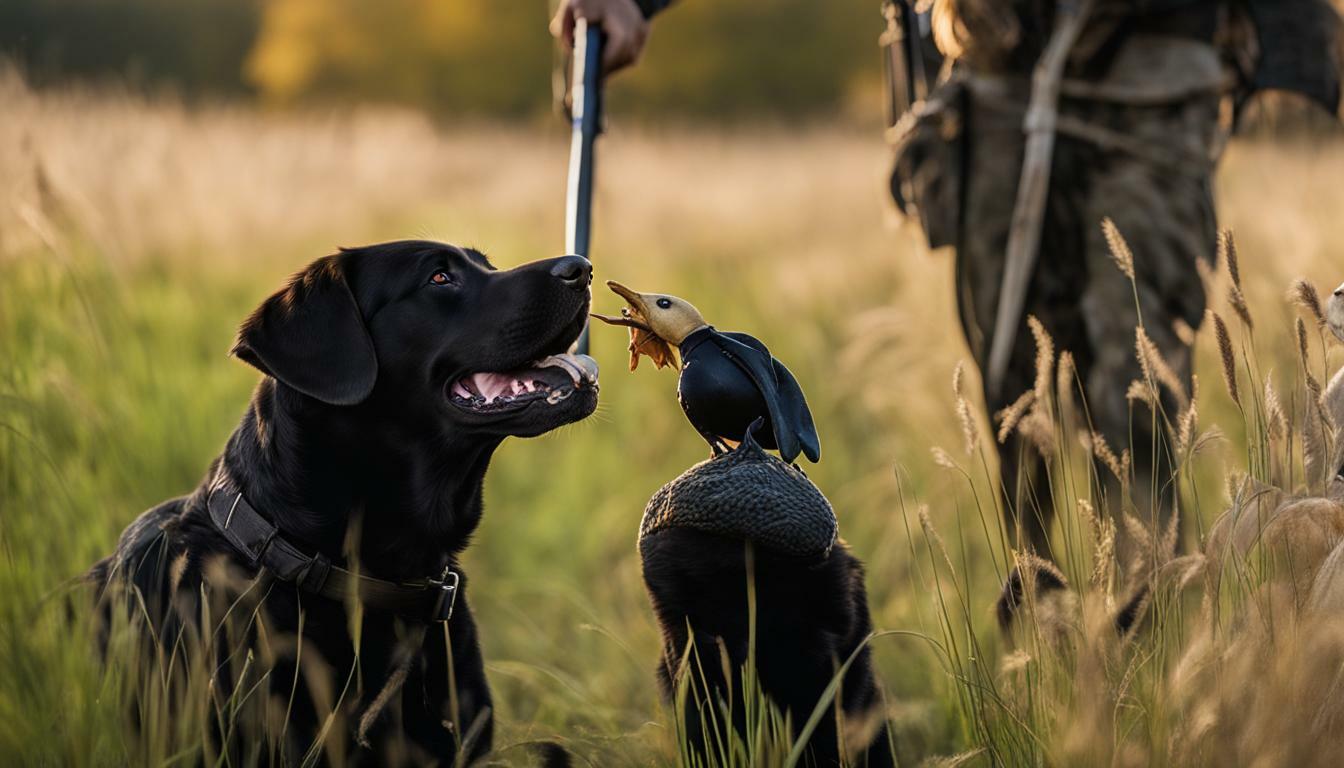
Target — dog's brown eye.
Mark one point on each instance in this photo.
(441, 278)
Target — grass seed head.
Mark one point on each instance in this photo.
(1118, 465)
(1277, 420)
(1140, 391)
(1227, 252)
(1103, 546)
(1304, 295)
(1302, 351)
(970, 433)
(1120, 253)
(1315, 453)
(1185, 433)
(1156, 368)
(1226, 356)
(1039, 430)
(1045, 359)
(942, 458)
(1009, 417)
(1065, 380)
(1238, 301)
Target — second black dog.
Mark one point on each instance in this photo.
(810, 617)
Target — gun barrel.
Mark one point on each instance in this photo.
(586, 116)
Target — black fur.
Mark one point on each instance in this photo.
(810, 617)
(351, 444)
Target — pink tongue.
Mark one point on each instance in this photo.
(493, 385)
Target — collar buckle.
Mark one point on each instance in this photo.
(447, 587)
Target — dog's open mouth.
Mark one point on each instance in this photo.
(553, 379)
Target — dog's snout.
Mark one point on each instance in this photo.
(575, 271)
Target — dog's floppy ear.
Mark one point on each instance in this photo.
(310, 336)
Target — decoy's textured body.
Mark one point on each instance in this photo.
(728, 380)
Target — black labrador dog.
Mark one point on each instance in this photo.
(336, 514)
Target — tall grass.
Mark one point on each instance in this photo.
(134, 237)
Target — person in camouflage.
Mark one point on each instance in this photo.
(1137, 138)
(1149, 91)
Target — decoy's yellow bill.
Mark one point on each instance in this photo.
(643, 339)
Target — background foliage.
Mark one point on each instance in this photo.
(725, 58)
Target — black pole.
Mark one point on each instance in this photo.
(586, 117)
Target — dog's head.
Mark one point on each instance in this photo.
(429, 334)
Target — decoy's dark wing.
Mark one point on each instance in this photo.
(789, 415)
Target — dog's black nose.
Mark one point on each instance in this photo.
(575, 271)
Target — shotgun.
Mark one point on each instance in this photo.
(585, 112)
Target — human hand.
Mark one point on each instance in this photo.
(623, 23)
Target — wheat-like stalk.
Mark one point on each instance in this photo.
(1226, 356)
(1140, 392)
(1304, 295)
(1142, 541)
(1119, 465)
(931, 533)
(1314, 452)
(970, 434)
(1120, 252)
(1238, 302)
(1103, 546)
(1313, 387)
(1227, 252)
(1166, 545)
(1065, 376)
(1045, 360)
(1274, 413)
(942, 458)
(1039, 430)
(1155, 366)
(1185, 433)
(1206, 438)
(1010, 416)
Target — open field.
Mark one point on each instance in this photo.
(134, 237)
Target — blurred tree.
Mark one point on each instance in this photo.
(786, 58)
(482, 56)
(707, 58)
(721, 58)
(193, 45)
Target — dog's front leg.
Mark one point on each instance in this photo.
(457, 687)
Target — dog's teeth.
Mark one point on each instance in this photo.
(588, 366)
(579, 367)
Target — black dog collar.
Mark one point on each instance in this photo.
(427, 600)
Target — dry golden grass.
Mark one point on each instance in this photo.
(134, 235)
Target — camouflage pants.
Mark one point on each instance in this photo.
(1150, 172)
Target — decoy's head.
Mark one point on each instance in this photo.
(657, 323)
